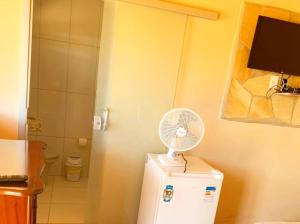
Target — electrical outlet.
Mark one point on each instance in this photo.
(273, 81)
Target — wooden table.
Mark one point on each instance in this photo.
(18, 201)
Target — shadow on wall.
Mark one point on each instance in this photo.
(7, 130)
(235, 190)
(117, 192)
(230, 199)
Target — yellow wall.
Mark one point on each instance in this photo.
(137, 81)
(260, 162)
(14, 25)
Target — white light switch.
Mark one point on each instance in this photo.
(97, 123)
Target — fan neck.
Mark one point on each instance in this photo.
(172, 154)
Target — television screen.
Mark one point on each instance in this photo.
(276, 46)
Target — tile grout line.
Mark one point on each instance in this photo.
(65, 203)
(63, 91)
(65, 42)
(51, 194)
(66, 92)
(38, 59)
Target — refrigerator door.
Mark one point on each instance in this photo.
(153, 178)
(189, 199)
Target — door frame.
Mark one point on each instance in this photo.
(26, 32)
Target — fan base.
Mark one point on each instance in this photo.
(176, 161)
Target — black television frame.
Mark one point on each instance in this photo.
(287, 52)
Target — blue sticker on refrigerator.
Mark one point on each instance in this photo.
(168, 193)
(210, 193)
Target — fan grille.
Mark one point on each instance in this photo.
(181, 129)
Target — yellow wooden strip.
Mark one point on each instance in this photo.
(178, 8)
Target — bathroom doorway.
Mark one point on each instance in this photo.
(64, 57)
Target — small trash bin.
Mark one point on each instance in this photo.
(73, 168)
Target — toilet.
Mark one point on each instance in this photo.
(35, 125)
(50, 158)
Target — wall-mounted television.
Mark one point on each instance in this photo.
(276, 46)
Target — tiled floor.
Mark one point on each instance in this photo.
(62, 201)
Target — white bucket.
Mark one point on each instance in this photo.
(73, 168)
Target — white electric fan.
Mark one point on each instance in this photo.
(180, 130)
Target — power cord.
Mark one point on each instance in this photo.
(283, 88)
(269, 93)
(185, 165)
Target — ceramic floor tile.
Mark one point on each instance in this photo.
(68, 195)
(62, 202)
(45, 196)
(43, 213)
(61, 182)
(67, 213)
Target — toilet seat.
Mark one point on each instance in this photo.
(50, 157)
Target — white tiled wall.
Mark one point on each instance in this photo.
(53, 64)
(55, 19)
(51, 111)
(79, 115)
(63, 75)
(83, 61)
(86, 13)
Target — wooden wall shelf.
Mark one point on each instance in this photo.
(18, 201)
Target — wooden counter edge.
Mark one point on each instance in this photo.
(35, 165)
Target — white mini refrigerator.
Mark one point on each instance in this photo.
(170, 196)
